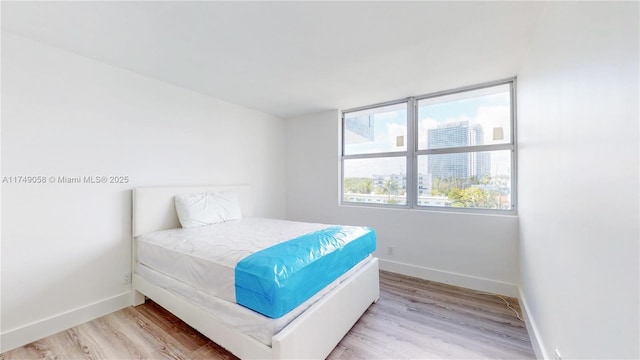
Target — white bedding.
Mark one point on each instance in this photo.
(205, 257)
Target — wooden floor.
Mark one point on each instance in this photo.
(414, 319)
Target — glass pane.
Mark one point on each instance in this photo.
(377, 130)
(375, 181)
(476, 117)
(468, 180)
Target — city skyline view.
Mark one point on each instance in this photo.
(378, 137)
(387, 124)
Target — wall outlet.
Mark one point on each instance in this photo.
(390, 250)
(557, 355)
(126, 279)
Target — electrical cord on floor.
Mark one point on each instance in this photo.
(505, 301)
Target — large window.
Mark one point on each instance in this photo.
(454, 149)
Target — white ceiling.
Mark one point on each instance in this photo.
(292, 58)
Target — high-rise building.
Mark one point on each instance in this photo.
(457, 165)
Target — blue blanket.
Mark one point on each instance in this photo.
(275, 280)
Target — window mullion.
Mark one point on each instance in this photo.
(375, 155)
(412, 172)
(465, 149)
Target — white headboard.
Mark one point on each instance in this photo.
(154, 207)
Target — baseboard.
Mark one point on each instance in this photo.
(23, 335)
(532, 329)
(466, 281)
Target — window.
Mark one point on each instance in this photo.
(375, 155)
(454, 149)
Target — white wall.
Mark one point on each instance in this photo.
(65, 247)
(578, 143)
(475, 251)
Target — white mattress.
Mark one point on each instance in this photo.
(205, 257)
(236, 316)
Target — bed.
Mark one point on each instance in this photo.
(311, 330)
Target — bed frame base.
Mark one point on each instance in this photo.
(312, 335)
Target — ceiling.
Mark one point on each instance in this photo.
(292, 58)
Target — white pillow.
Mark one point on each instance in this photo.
(207, 208)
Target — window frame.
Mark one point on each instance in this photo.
(391, 154)
(413, 152)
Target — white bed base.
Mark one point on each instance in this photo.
(312, 335)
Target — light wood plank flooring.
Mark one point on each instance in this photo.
(414, 319)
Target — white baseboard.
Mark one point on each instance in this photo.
(466, 281)
(532, 329)
(23, 335)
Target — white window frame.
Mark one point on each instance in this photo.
(412, 152)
